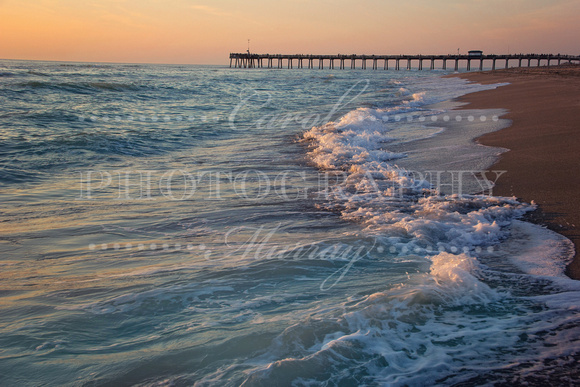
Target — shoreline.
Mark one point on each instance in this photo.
(543, 104)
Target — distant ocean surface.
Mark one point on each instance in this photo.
(200, 225)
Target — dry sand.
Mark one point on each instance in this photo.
(543, 163)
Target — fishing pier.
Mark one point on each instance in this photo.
(396, 62)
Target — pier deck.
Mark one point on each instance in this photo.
(250, 60)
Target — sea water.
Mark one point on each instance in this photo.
(199, 225)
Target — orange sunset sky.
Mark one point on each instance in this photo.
(205, 32)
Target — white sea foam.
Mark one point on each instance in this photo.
(402, 210)
(355, 139)
(540, 252)
(444, 327)
(462, 321)
(391, 203)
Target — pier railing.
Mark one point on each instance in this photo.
(249, 60)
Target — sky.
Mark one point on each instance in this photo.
(206, 31)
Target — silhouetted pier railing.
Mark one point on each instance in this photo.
(249, 60)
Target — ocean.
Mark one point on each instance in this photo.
(166, 225)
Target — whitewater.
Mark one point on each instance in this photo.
(199, 225)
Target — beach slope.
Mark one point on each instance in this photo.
(543, 161)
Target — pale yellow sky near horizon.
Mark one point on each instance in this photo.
(205, 32)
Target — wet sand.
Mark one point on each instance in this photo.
(543, 161)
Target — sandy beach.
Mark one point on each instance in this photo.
(543, 141)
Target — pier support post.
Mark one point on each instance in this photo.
(468, 64)
(397, 65)
(507, 60)
(432, 64)
(456, 64)
(480, 64)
